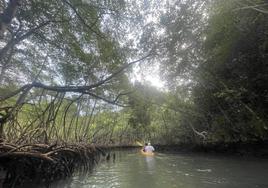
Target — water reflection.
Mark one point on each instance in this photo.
(150, 162)
(132, 170)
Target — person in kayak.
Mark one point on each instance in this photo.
(143, 149)
(148, 148)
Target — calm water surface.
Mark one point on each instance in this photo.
(132, 170)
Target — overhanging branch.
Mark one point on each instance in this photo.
(75, 89)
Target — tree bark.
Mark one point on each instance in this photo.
(7, 16)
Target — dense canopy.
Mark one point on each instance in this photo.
(67, 71)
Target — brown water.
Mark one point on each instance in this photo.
(132, 170)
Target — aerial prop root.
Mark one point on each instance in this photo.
(49, 162)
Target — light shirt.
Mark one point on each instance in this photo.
(149, 148)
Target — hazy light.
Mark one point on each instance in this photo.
(147, 74)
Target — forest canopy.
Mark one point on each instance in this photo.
(67, 71)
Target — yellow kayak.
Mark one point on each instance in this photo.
(147, 153)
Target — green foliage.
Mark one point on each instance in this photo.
(212, 55)
(214, 59)
(232, 83)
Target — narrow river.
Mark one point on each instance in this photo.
(133, 170)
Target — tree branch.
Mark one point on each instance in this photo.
(82, 19)
(75, 89)
(18, 39)
(7, 16)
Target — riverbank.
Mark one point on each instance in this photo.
(34, 164)
(42, 163)
(256, 149)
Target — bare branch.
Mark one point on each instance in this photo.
(114, 102)
(75, 89)
(256, 7)
(18, 39)
(90, 27)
